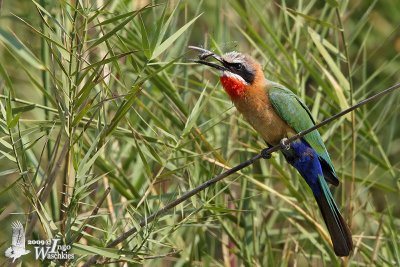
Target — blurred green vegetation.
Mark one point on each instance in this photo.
(98, 94)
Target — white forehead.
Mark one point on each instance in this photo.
(234, 57)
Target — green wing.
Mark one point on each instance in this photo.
(296, 114)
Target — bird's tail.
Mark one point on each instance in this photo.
(337, 227)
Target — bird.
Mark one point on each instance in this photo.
(276, 113)
(17, 248)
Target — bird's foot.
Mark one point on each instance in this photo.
(265, 154)
(285, 145)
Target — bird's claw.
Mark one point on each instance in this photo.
(265, 154)
(285, 145)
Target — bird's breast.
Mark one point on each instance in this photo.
(258, 111)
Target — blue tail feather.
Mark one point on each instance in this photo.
(306, 161)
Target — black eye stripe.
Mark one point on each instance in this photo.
(237, 66)
(242, 70)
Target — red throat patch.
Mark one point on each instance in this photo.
(234, 87)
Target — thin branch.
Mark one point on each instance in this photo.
(265, 153)
(353, 119)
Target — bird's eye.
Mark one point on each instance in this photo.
(237, 66)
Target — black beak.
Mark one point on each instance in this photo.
(206, 54)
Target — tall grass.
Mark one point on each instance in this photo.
(104, 120)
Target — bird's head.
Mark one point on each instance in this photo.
(239, 72)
